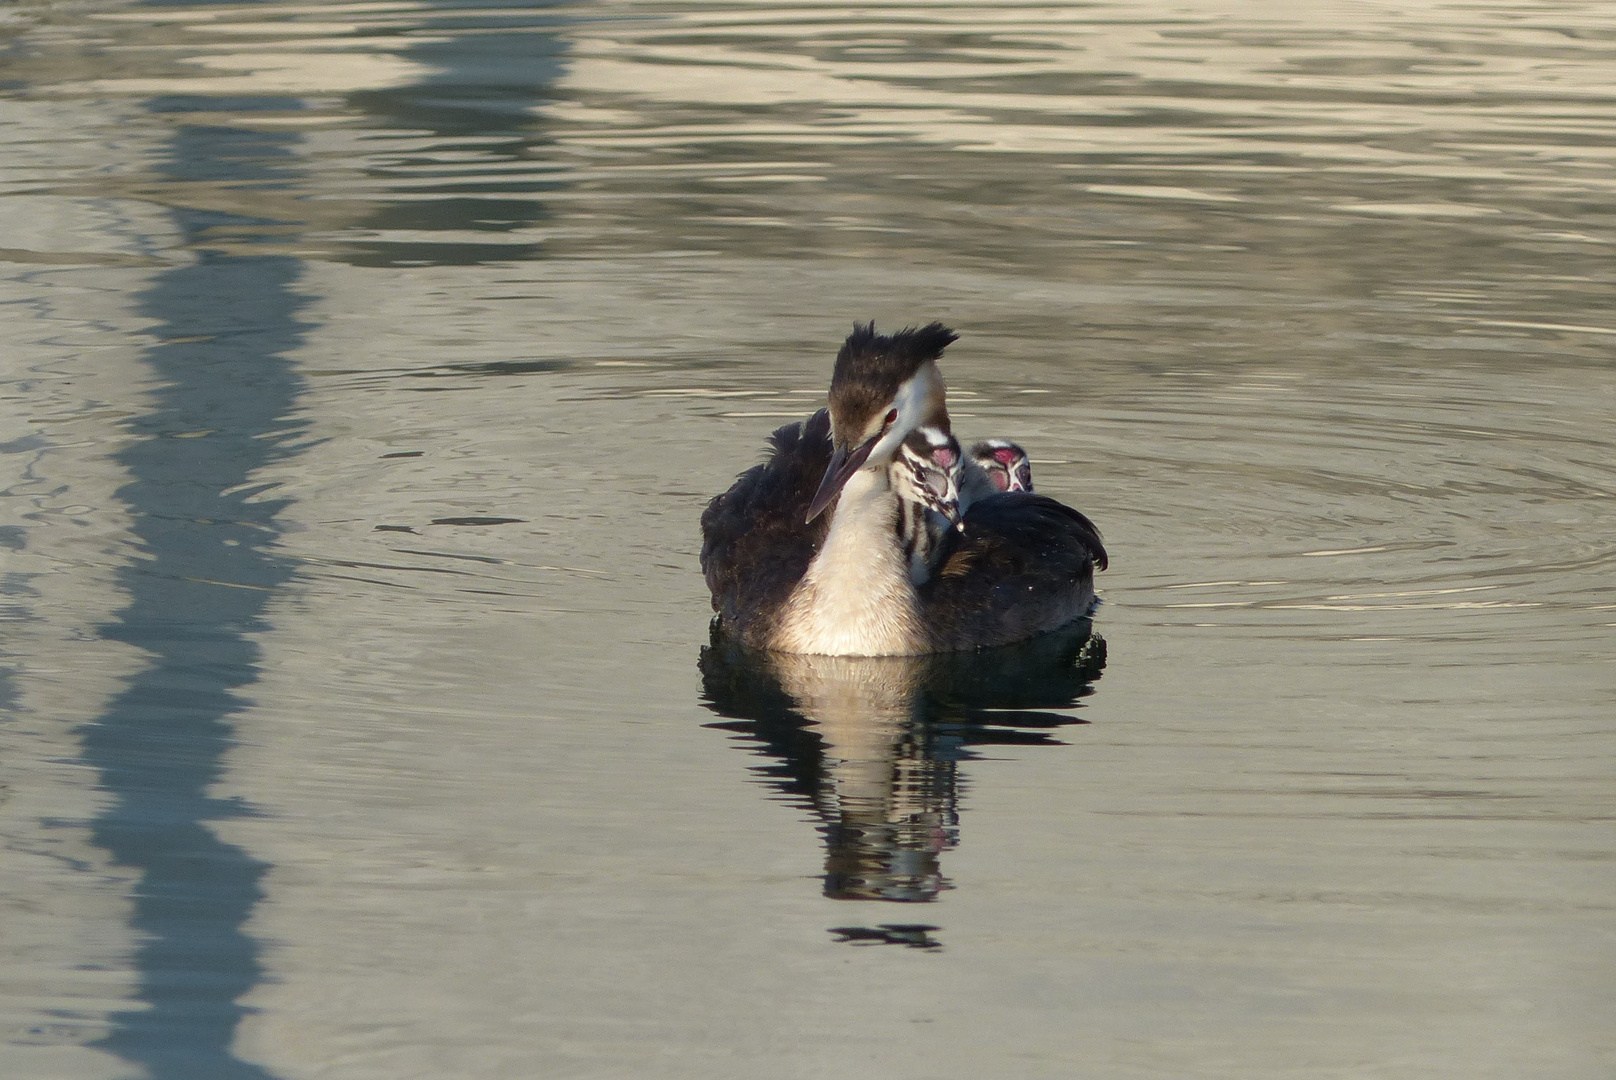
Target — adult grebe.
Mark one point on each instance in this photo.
(786, 575)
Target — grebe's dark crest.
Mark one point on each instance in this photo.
(808, 552)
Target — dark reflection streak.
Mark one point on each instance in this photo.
(223, 380)
(909, 935)
(485, 89)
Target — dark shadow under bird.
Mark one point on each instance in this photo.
(805, 553)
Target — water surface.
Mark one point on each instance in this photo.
(368, 366)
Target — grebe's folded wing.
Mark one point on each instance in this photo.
(1023, 565)
(756, 544)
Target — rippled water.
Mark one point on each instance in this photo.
(367, 367)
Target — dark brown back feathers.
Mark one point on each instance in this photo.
(1024, 564)
(755, 544)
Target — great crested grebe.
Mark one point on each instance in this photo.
(1004, 463)
(804, 552)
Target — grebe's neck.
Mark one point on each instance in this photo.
(856, 598)
(975, 483)
(920, 532)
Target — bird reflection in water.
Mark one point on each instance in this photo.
(873, 744)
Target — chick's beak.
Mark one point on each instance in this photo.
(945, 494)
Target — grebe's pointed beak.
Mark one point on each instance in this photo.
(843, 464)
(948, 506)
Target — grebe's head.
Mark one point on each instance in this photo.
(926, 470)
(883, 388)
(1005, 463)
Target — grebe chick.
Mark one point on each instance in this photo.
(1005, 463)
(930, 458)
(925, 477)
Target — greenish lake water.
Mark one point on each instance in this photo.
(366, 367)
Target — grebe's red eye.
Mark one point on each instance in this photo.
(891, 416)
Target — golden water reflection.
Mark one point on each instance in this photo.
(873, 744)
